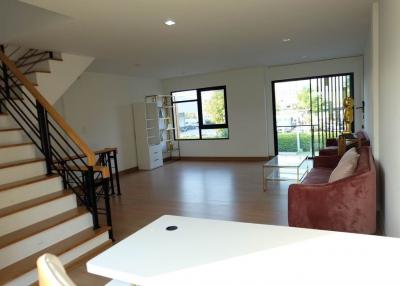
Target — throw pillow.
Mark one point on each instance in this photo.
(346, 166)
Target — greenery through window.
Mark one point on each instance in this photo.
(308, 111)
(201, 114)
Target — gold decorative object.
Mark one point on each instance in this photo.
(348, 114)
(170, 146)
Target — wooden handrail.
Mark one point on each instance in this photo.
(96, 152)
(91, 158)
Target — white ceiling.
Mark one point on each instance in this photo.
(129, 37)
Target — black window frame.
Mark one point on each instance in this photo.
(200, 112)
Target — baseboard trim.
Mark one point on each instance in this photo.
(171, 159)
(226, 159)
(129, 171)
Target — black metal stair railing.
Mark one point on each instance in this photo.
(61, 154)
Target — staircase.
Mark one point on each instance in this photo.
(52, 73)
(50, 195)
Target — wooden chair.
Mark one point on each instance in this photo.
(51, 272)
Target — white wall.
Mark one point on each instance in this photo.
(389, 115)
(99, 107)
(371, 82)
(246, 113)
(328, 67)
(63, 74)
(249, 97)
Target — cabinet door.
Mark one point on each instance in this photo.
(155, 156)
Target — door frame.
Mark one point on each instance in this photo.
(351, 74)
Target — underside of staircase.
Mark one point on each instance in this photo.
(38, 212)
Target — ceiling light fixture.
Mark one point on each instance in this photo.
(169, 22)
(285, 40)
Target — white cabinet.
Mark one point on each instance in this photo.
(155, 156)
(148, 147)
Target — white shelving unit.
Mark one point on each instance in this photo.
(154, 131)
(170, 147)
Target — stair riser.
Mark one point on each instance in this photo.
(6, 122)
(21, 172)
(24, 248)
(45, 66)
(16, 54)
(28, 192)
(68, 257)
(36, 214)
(41, 58)
(29, 111)
(13, 137)
(17, 153)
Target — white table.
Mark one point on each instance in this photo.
(211, 252)
(285, 168)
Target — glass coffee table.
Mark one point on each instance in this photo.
(285, 168)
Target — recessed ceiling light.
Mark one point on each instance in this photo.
(285, 40)
(304, 57)
(169, 22)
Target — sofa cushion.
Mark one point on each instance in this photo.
(317, 176)
(346, 166)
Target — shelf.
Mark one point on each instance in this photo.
(150, 119)
(150, 128)
(164, 118)
(160, 95)
(167, 129)
(173, 150)
(149, 137)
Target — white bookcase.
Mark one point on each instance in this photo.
(154, 131)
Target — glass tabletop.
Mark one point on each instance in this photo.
(286, 161)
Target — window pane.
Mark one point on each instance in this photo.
(187, 125)
(292, 103)
(213, 105)
(184, 95)
(221, 133)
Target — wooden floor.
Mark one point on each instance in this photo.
(217, 190)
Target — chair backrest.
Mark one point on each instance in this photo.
(51, 272)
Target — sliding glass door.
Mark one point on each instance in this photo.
(308, 111)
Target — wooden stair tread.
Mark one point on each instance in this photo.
(85, 257)
(28, 181)
(36, 62)
(11, 129)
(33, 229)
(15, 145)
(32, 55)
(37, 71)
(20, 162)
(21, 84)
(90, 254)
(13, 97)
(35, 202)
(27, 264)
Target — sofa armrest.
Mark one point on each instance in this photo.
(345, 205)
(326, 161)
(331, 142)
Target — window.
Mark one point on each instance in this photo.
(200, 114)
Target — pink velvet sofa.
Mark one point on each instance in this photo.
(346, 205)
